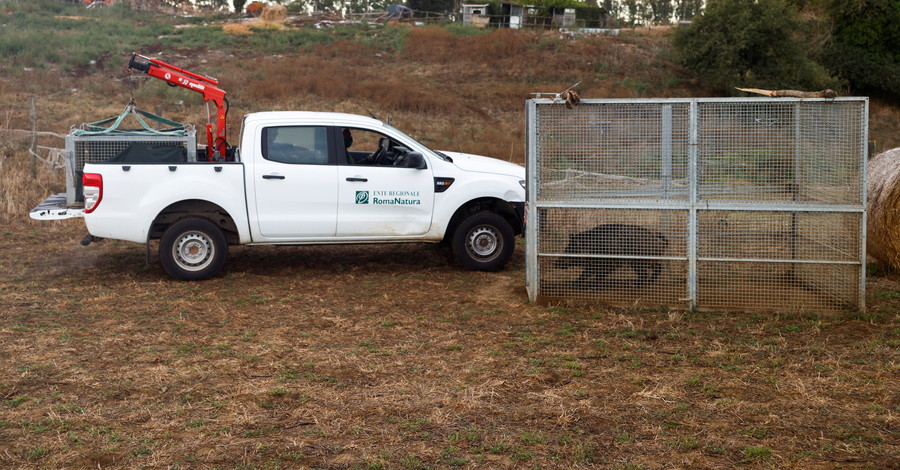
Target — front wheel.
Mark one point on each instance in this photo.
(193, 250)
(483, 242)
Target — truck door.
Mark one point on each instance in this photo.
(376, 198)
(295, 183)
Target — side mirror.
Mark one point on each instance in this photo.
(415, 160)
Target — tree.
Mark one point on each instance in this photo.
(238, 5)
(661, 10)
(635, 9)
(748, 43)
(864, 48)
(687, 9)
(612, 7)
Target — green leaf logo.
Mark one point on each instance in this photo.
(362, 197)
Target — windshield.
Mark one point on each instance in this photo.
(420, 144)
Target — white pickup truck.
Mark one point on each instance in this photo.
(302, 178)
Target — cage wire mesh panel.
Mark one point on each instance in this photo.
(612, 151)
(773, 260)
(627, 256)
(82, 149)
(698, 203)
(100, 148)
(794, 152)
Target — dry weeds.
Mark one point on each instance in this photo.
(390, 357)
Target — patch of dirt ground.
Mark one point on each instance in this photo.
(393, 357)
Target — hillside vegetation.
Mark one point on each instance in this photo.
(455, 88)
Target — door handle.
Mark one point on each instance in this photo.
(273, 177)
(363, 180)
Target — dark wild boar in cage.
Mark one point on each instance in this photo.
(614, 240)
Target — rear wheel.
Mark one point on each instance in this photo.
(193, 250)
(483, 242)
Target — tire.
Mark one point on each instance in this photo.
(193, 250)
(483, 242)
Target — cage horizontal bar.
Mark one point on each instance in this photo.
(585, 255)
(770, 260)
(701, 206)
(753, 100)
(133, 138)
(699, 258)
(612, 205)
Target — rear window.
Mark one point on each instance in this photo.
(305, 145)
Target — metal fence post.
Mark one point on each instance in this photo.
(864, 143)
(693, 197)
(666, 150)
(33, 114)
(532, 273)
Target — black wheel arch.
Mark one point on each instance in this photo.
(512, 212)
(195, 208)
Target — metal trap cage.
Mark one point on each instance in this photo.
(82, 149)
(104, 140)
(730, 203)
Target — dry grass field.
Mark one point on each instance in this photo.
(382, 357)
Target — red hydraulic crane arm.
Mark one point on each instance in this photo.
(217, 148)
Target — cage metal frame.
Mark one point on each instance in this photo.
(693, 204)
(110, 145)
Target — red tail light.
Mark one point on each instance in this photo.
(92, 184)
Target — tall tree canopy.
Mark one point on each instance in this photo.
(864, 48)
(687, 9)
(748, 43)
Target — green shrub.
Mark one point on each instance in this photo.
(864, 47)
(747, 43)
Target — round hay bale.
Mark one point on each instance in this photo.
(274, 13)
(883, 208)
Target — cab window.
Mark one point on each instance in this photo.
(365, 147)
(296, 144)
